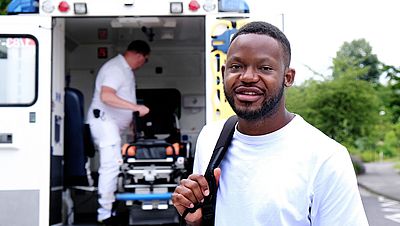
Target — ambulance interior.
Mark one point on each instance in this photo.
(177, 57)
(177, 62)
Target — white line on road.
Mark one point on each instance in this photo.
(390, 206)
(394, 217)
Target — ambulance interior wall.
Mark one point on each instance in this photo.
(181, 59)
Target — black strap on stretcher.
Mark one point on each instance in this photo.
(208, 206)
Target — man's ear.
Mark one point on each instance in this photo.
(223, 71)
(289, 77)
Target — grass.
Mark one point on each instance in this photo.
(397, 165)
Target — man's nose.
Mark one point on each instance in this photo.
(250, 75)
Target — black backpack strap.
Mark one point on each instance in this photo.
(220, 149)
(208, 206)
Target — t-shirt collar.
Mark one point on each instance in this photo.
(124, 62)
(270, 137)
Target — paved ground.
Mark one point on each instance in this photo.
(380, 210)
(381, 178)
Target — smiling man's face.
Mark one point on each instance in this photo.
(254, 76)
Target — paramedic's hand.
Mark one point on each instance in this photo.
(143, 110)
(191, 191)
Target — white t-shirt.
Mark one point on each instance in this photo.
(116, 74)
(295, 176)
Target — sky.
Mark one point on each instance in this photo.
(317, 29)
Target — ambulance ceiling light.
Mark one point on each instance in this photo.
(80, 8)
(167, 34)
(139, 22)
(169, 22)
(135, 22)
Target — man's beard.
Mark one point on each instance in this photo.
(269, 107)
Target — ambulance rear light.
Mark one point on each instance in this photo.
(80, 8)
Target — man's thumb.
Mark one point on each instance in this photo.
(217, 174)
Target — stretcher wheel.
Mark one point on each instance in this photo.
(128, 150)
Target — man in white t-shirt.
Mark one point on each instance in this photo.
(110, 113)
(279, 170)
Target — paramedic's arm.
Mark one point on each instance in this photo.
(191, 191)
(108, 96)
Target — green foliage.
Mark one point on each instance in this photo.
(298, 97)
(353, 107)
(393, 74)
(356, 58)
(390, 144)
(344, 109)
(397, 166)
(369, 156)
(3, 6)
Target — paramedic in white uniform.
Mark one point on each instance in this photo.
(110, 113)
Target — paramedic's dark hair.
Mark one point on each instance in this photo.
(263, 28)
(139, 46)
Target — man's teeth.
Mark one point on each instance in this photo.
(249, 93)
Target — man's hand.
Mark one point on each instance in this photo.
(143, 110)
(109, 96)
(190, 192)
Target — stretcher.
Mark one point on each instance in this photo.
(154, 161)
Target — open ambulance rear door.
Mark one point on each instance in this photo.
(25, 109)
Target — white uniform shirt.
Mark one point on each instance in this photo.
(116, 74)
(286, 178)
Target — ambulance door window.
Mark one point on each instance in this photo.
(18, 70)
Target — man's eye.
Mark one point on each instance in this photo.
(266, 68)
(235, 66)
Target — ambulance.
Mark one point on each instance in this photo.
(49, 46)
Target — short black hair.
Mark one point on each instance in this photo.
(264, 28)
(139, 46)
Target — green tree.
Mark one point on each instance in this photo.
(357, 57)
(352, 106)
(390, 144)
(344, 109)
(392, 73)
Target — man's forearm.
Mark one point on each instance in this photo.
(115, 101)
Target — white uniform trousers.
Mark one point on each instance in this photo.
(106, 136)
(110, 161)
